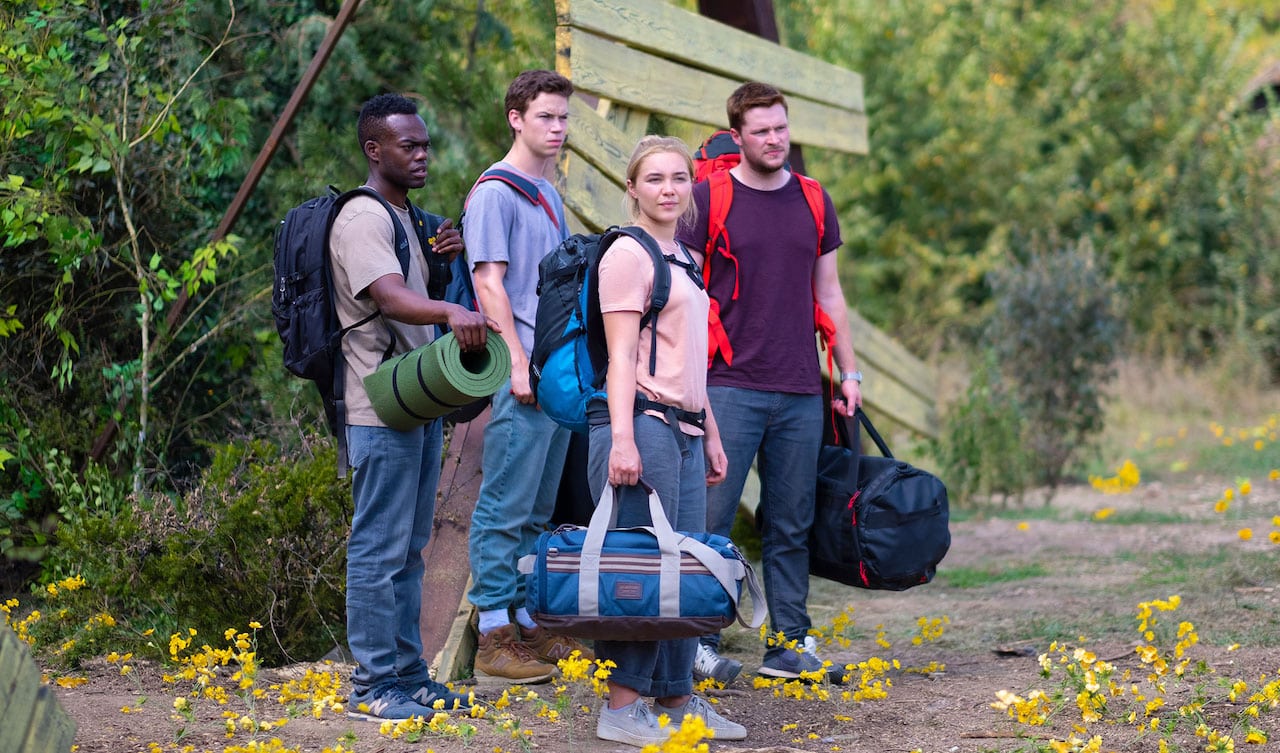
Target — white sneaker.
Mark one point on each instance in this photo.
(698, 706)
(633, 724)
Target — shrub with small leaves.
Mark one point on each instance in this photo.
(262, 535)
(1056, 336)
(979, 449)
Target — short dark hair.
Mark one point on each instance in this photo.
(529, 84)
(749, 96)
(374, 114)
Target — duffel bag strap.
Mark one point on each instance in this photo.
(728, 572)
(593, 545)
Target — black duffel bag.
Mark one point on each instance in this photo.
(879, 523)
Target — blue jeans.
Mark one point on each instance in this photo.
(394, 490)
(661, 669)
(524, 455)
(782, 432)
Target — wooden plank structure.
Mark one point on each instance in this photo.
(31, 719)
(630, 62)
(642, 60)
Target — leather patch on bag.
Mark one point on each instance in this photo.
(630, 590)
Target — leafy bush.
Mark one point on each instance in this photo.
(1056, 338)
(980, 450)
(261, 537)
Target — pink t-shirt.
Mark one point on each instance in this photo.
(626, 284)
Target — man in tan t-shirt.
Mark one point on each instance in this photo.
(395, 473)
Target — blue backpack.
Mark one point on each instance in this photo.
(569, 360)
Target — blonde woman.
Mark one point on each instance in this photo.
(666, 441)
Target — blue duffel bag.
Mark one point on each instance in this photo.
(644, 583)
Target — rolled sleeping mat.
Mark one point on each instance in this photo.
(438, 378)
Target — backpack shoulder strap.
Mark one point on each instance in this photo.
(521, 185)
(439, 268)
(817, 206)
(720, 186)
(401, 237)
(661, 288)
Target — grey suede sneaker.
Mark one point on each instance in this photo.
(633, 724)
(698, 706)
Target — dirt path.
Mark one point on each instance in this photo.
(1008, 587)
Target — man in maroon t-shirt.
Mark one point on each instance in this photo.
(766, 389)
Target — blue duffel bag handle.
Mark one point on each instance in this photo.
(671, 545)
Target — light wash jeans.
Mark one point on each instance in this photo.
(524, 455)
(782, 432)
(394, 489)
(653, 668)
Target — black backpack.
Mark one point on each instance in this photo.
(569, 359)
(302, 300)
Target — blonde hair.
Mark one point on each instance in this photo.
(647, 146)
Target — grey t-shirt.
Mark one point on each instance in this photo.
(501, 225)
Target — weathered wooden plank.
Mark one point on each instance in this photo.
(594, 197)
(888, 353)
(699, 42)
(49, 730)
(598, 140)
(632, 122)
(891, 378)
(31, 719)
(648, 82)
(12, 653)
(457, 655)
(446, 556)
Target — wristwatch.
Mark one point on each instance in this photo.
(854, 375)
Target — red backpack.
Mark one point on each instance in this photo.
(712, 162)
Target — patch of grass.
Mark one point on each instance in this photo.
(976, 577)
(1240, 460)
(1033, 512)
(1158, 419)
(1138, 517)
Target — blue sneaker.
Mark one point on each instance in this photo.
(801, 661)
(385, 703)
(437, 696)
(708, 663)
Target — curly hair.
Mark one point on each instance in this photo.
(373, 115)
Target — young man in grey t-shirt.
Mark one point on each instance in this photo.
(507, 233)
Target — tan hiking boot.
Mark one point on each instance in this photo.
(551, 648)
(501, 654)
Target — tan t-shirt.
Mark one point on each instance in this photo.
(362, 243)
(626, 284)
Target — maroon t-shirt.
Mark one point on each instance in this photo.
(770, 325)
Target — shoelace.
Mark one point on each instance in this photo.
(518, 648)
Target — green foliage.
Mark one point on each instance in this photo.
(135, 128)
(1123, 122)
(262, 536)
(1056, 339)
(977, 577)
(980, 450)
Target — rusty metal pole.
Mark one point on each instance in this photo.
(300, 92)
